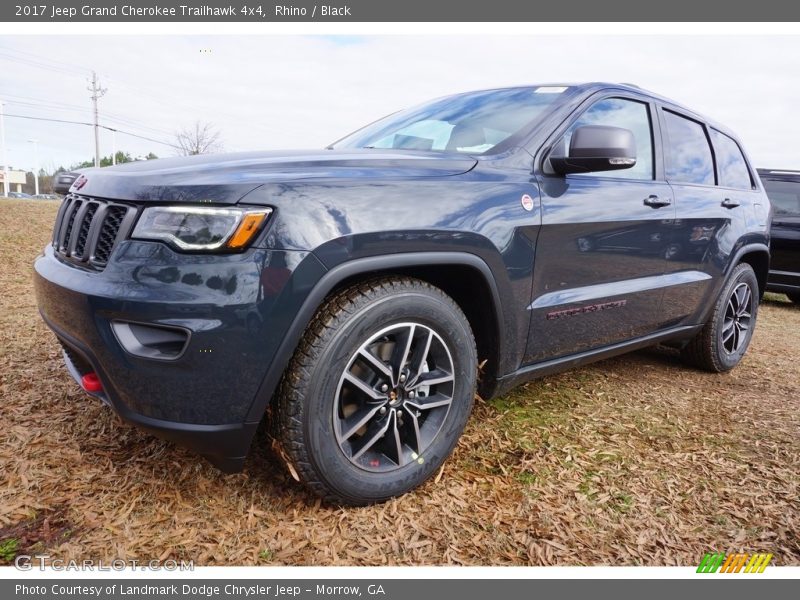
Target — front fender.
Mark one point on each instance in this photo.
(362, 267)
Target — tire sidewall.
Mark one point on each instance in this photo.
(333, 466)
(743, 274)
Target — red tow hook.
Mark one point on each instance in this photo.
(91, 383)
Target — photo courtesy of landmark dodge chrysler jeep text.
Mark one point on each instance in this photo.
(354, 290)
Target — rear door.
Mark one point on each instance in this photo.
(600, 251)
(714, 193)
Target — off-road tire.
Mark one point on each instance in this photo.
(706, 350)
(303, 419)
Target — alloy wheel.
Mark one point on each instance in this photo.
(738, 317)
(393, 397)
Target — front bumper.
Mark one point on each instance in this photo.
(235, 307)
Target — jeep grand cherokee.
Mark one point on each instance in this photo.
(354, 290)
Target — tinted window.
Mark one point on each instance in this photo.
(784, 195)
(628, 114)
(689, 155)
(731, 165)
(473, 123)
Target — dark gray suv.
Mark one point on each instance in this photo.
(353, 291)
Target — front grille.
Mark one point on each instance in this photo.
(109, 232)
(87, 229)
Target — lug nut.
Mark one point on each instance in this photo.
(402, 377)
(382, 410)
(412, 394)
(384, 388)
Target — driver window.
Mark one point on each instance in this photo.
(628, 114)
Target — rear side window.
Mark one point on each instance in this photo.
(689, 158)
(731, 166)
(628, 114)
(784, 196)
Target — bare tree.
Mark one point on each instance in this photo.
(200, 138)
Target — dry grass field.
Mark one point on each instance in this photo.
(637, 460)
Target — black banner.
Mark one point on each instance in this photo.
(391, 589)
(344, 11)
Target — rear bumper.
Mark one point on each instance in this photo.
(235, 308)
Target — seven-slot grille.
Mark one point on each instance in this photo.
(87, 229)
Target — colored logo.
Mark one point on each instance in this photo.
(527, 202)
(79, 182)
(719, 562)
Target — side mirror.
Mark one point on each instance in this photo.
(595, 148)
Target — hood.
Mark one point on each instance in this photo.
(226, 178)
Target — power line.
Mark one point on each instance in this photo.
(154, 93)
(108, 116)
(53, 120)
(41, 65)
(45, 106)
(126, 121)
(123, 132)
(43, 101)
(39, 60)
(142, 137)
(49, 64)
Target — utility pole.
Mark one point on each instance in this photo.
(97, 93)
(36, 168)
(113, 146)
(3, 145)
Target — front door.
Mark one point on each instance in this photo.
(600, 254)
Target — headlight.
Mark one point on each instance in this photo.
(199, 227)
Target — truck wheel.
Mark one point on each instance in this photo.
(724, 339)
(378, 391)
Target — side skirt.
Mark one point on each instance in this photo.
(565, 363)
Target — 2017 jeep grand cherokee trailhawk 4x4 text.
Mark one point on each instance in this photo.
(355, 290)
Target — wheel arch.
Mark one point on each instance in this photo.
(472, 288)
(757, 256)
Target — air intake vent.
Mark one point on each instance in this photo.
(88, 229)
(158, 342)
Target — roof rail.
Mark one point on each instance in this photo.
(778, 172)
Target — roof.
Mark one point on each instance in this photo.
(592, 87)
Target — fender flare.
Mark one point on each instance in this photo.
(735, 260)
(749, 248)
(346, 270)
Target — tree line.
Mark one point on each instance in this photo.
(200, 138)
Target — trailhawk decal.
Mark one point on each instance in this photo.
(571, 312)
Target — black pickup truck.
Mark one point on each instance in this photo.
(351, 292)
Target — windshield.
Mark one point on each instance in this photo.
(472, 123)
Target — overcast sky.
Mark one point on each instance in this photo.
(272, 92)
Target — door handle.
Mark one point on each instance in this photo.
(656, 202)
(728, 203)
